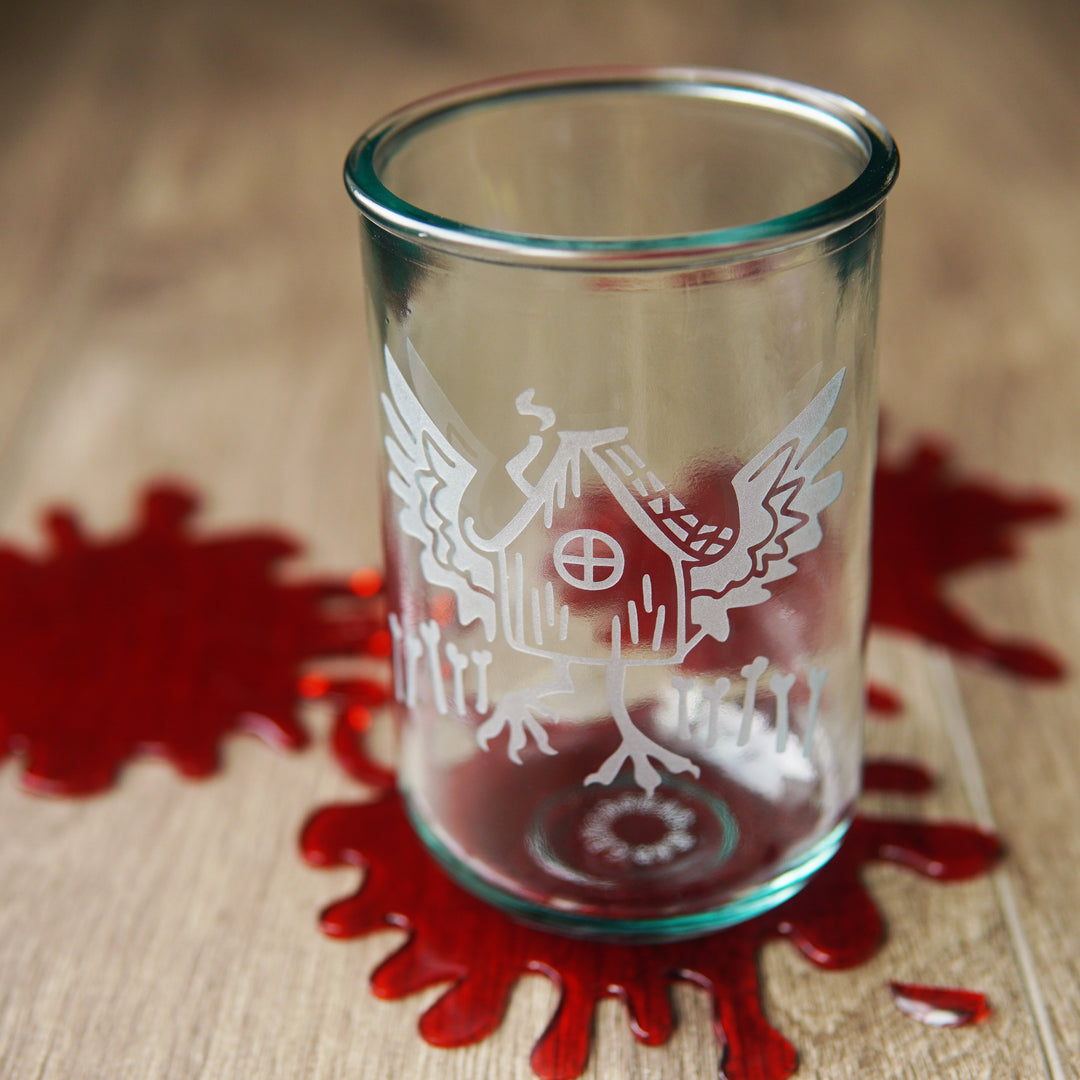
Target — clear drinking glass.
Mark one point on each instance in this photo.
(622, 326)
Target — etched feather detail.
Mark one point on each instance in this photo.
(780, 501)
(429, 476)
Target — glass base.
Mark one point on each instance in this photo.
(657, 856)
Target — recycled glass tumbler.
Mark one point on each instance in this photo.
(622, 327)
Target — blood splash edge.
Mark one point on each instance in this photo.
(158, 643)
(833, 922)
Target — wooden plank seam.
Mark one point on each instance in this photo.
(943, 677)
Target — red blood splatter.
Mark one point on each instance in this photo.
(930, 523)
(833, 922)
(892, 774)
(156, 643)
(940, 1006)
(367, 581)
(380, 644)
(883, 701)
(159, 643)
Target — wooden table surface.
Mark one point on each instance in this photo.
(180, 295)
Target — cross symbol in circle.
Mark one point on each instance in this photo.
(589, 559)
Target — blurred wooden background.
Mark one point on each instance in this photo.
(180, 295)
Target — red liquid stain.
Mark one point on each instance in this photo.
(883, 701)
(156, 643)
(892, 774)
(930, 523)
(940, 1006)
(833, 922)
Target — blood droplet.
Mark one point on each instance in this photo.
(366, 582)
(380, 644)
(313, 685)
(940, 1006)
(359, 718)
(880, 699)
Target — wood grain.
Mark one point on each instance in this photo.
(180, 294)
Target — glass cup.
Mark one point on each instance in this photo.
(622, 324)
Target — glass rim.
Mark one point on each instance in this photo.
(825, 110)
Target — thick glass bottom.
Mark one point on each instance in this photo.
(672, 850)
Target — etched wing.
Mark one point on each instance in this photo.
(429, 477)
(780, 500)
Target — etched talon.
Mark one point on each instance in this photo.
(519, 711)
(645, 775)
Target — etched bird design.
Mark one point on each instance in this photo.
(504, 582)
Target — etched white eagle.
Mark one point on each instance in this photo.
(715, 567)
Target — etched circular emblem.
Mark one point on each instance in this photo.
(589, 559)
(641, 829)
